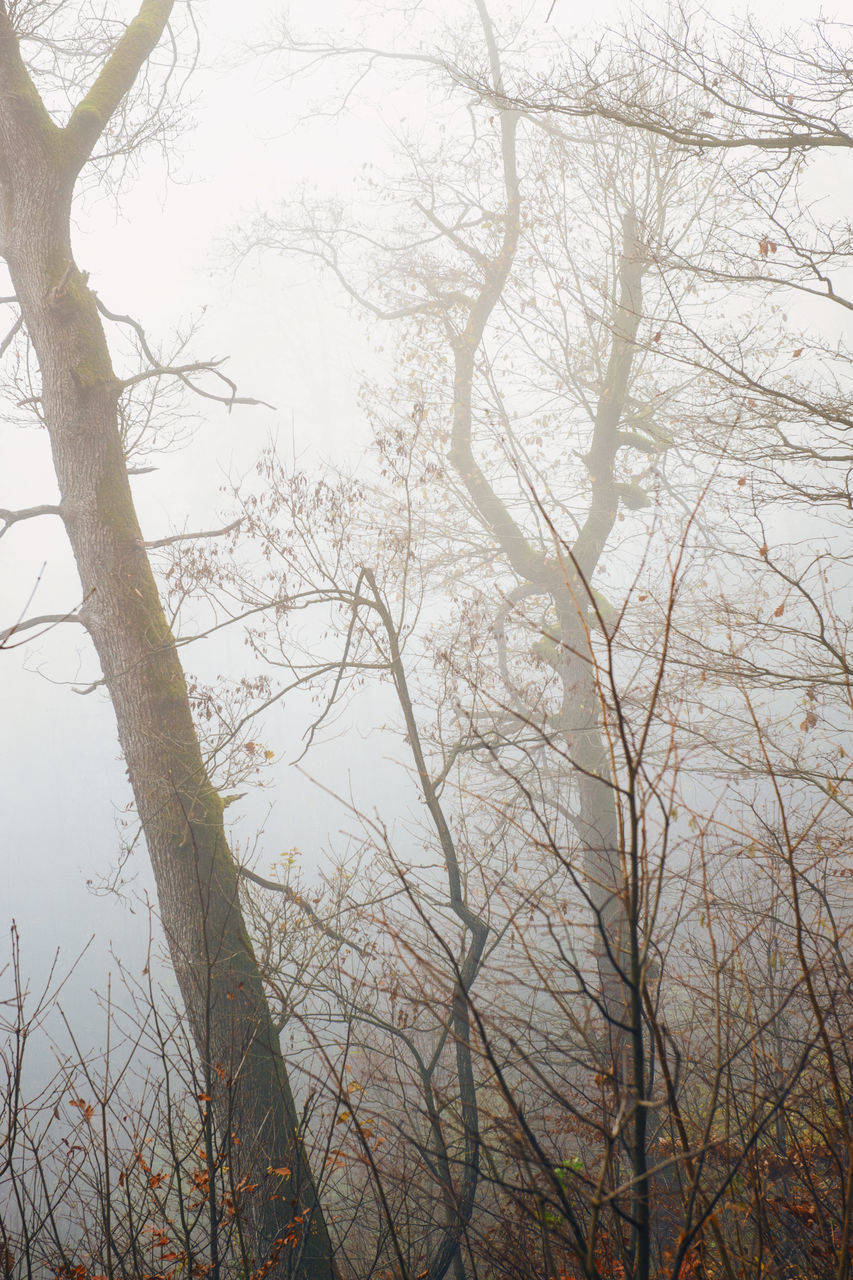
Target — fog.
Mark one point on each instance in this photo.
(480, 907)
(161, 253)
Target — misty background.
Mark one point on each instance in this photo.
(168, 252)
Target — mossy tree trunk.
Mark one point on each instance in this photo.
(180, 810)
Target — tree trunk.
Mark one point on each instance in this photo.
(180, 811)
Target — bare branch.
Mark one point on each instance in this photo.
(181, 372)
(10, 336)
(299, 901)
(45, 620)
(189, 537)
(26, 513)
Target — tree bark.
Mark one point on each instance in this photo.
(180, 810)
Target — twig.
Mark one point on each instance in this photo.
(298, 901)
(181, 372)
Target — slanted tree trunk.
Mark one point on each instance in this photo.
(180, 810)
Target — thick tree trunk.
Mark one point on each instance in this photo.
(180, 810)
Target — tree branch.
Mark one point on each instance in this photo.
(46, 620)
(21, 107)
(10, 336)
(181, 372)
(26, 513)
(188, 537)
(297, 899)
(116, 79)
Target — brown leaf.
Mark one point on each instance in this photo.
(798, 353)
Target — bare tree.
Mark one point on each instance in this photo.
(462, 281)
